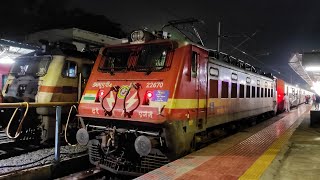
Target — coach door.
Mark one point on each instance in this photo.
(199, 72)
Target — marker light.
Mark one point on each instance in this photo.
(99, 95)
(149, 94)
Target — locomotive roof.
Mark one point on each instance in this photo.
(173, 43)
(65, 52)
(213, 54)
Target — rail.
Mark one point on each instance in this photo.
(58, 106)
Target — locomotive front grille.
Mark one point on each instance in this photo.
(120, 165)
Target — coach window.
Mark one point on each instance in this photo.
(258, 91)
(234, 90)
(194, 63)
(69, 69)
(262, 92)
(248, 91)
(253, 91)
(224, 89)
(213, 88)
(265, 92)
(269, 93)
(241, 93)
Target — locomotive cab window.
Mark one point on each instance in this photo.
(152, 58)
(194, 64)
(31, 65)
(4, 79)
(69, 69)
(115, 60)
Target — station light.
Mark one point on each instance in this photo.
(6, 60)
(316, 87)
(312, 68)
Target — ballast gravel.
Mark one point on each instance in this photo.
(67, 152)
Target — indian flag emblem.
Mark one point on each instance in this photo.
(89, 96)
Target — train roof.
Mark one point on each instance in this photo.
(64, 51)
(221, 56)
(213, 54)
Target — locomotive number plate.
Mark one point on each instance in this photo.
(154, 85)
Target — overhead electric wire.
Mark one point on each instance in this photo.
(245, 40)
(171, 13)
(256, 59)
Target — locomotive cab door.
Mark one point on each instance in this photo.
(199, 73)
(83, 78)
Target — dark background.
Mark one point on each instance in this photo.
(279, 28)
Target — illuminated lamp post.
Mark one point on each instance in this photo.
(311, 64)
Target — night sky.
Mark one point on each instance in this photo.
(281, 27)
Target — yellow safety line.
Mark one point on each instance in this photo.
(263, 162)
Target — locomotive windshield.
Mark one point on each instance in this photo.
(115, 60)
(147, 58)
(152, 58)
(33, 66)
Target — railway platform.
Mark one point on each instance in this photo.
(286, 148)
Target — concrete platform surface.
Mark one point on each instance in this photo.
(300, 157)
(242, 156)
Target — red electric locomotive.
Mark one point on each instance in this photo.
(153, 100)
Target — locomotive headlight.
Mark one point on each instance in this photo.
(142, 145)
(137, 35)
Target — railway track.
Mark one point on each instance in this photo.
(4, 138)
(80, 168)
(41, 171)
(11, 149)
(91, 173)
